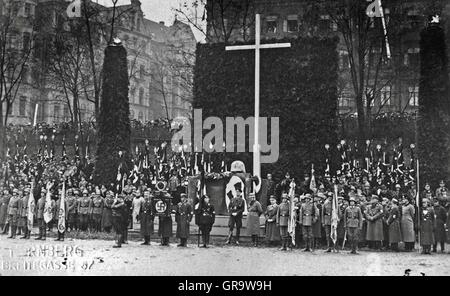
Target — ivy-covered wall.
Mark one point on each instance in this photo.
(298, 85)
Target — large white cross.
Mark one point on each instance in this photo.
(257, 47)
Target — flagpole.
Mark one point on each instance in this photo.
(418, 204)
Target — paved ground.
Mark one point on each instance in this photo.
(97, 257)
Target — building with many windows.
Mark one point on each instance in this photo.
(160, 62)
(392, 85)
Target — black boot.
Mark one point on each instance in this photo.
(435, 248)
(119, 241)
(146, 240)
(256, 241)
(13, 232)
(328, 245)
(25, 233)
(442, 247)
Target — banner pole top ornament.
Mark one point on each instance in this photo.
(74, 9)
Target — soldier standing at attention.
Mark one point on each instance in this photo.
(40, 207)
(84, 210)
(206, 219)
(4, 201)
(183, 217)
(393, 223)
(146, 218)
(374, 216)
(308, 214)
(97, 204)
(72, 210)
(23, 217)
(427, 223)
(327, 209)
(107, 212)
(236, 209)
(165, 223)
(353, 220)
(283, 220)
(118, 219)
(13, 212)
(254, 211)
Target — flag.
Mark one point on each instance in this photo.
(334, 215)
(30, 214)
(48, 212)
(312, 184)
(292, 213)
(62, 210)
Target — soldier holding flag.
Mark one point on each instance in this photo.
(63, 212)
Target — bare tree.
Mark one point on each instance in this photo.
(15, 55)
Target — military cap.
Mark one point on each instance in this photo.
(308, 195)
(352, 199)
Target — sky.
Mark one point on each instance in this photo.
(157, 10)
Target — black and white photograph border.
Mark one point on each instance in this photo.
(224, 138)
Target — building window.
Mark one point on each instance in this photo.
(141, 96)
(386, 95)
(131, 114)
(292, 23)
(412, 58)
(56, 110)
(22, 106)
(141, 116)
(413, 96)
(27, 10)
(271, 24)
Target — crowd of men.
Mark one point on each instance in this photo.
(377, 204)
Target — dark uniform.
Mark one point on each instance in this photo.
(327, 211)
(283, 215)
(439, 232)
(97, 204)
(393, 223)
(207, 217)
(83, 211)
(23, 215)
(40, 208)
(118, 219)
(13, 212)
(308, 214)
(183, 217)
(427, 222)
(146, 218)
(236, 209)
(72, 211)
(128, 216)
(353, 219)
(165, 225)
(107, 213)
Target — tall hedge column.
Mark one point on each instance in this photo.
(433, 124)
(114, 120)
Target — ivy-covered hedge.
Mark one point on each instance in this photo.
(298, 85)
(434, 107)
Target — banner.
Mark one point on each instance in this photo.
(48, 212)
(30, 214)
(334, 215)
(62, 210)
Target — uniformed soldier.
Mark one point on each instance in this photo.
(13, 212)
(96, 206)
(72, 203)
(128, 200)
(183, 216)
(4, 226)
(283, 215)
(118, 219)
(327, 211)
(84, 210)
(236, 209)
(40, 208)
(427, 224)
(254, 211)
(146, 218)
(353, 223)
(23, 219)
(165, 225)
(308, 214)
(107, 211)
(374, 215)
(393, 222)
(207, 217)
